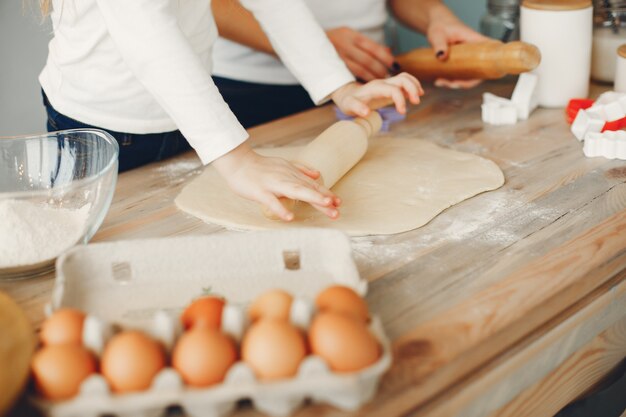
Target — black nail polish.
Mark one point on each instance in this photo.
(395, 67)
(439, 54)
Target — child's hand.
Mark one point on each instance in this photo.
(353, 98)
(265, 180)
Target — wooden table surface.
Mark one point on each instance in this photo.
(512, 303)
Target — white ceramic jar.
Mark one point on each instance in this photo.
(609, 32)
(562, 30)
(620, 70)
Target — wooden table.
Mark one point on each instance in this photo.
(512, 303)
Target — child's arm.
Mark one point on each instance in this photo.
(148, 36)
(264, 180)
(442, 28)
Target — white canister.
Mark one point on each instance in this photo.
(620, 70)
(562, 30)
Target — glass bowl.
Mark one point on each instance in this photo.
(55, 190)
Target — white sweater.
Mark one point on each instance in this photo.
(143, 66)
(239, 62)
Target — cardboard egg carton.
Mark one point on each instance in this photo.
(145, 284)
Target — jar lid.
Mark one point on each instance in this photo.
(621, 51)
(556, 5)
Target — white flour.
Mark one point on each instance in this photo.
(477, 220)
(30, 233)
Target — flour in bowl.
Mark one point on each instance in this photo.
(32, 233)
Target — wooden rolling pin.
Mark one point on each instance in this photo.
(484, 60)
(335, 151)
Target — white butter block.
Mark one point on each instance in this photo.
(525, 95)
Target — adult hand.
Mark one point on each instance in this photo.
(449, 30)
(353, 98)
(366, 59)
(265, 180)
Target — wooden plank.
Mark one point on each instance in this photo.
(451, 345)
(503, 240)
(528, 363)
(570, 380)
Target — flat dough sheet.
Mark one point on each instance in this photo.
(399, 185)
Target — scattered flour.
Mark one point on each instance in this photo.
(176, 169)
(31, 233)
(481, 221)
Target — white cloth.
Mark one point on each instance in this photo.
(143, 66)
(239, 62)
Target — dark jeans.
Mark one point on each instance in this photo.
(135, 149)
(254, 103)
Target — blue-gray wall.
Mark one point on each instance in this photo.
(23, 48)
(470, 11)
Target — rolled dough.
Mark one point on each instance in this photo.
(399, 185)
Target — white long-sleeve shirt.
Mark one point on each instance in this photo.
(143, 66)
(239, 62)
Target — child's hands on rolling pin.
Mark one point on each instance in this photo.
(353, 98)
(265, 180)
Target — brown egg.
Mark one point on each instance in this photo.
(342, 299)
(58, 370)
(203, 356)
(343, 341)
(273, 304)
(204, 312)
(131, 360)
(273, 349)
(63, 326)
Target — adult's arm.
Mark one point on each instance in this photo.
(365, 58)
(236, 23)
(434, 19)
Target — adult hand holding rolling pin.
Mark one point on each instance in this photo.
(268, 180)
(442, 29)
(367, 59)
(258, 87)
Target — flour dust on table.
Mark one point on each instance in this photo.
(399, 185)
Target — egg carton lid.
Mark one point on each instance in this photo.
(126, 282)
